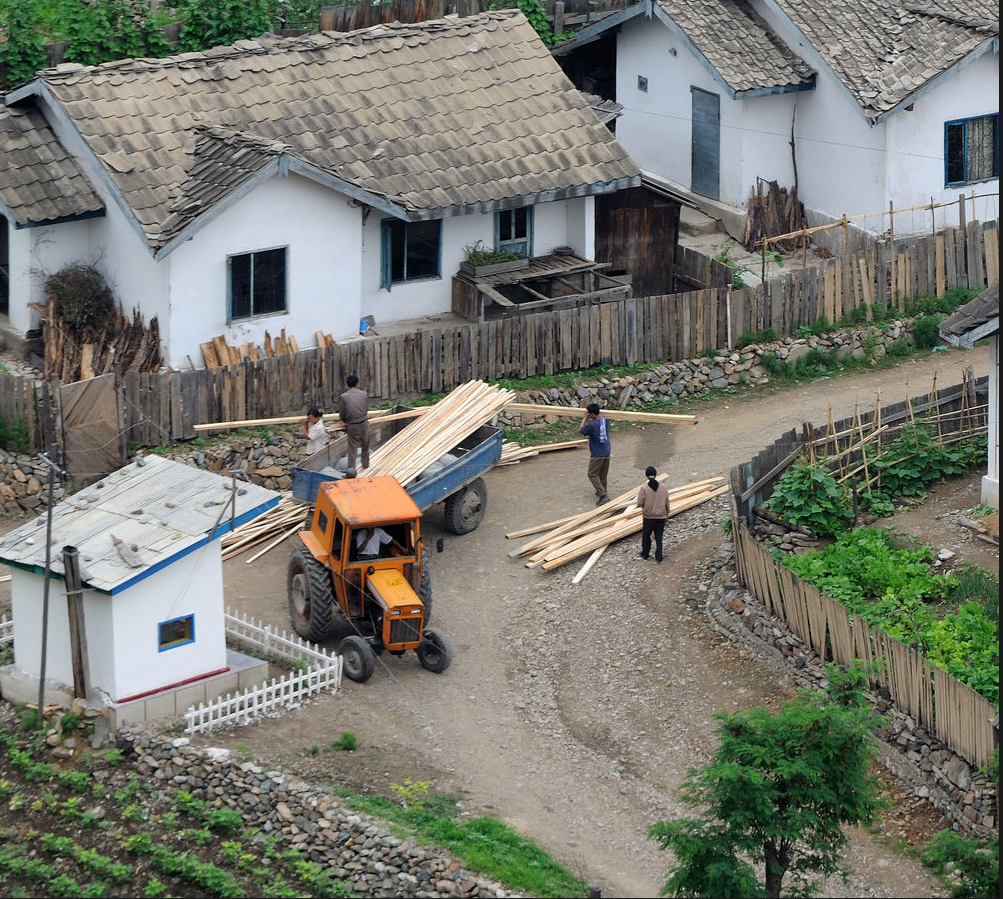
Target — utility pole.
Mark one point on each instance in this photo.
(53, 469)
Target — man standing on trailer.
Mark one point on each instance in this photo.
(353, 409)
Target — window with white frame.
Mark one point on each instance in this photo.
(514, 231)
(972, 150)
(257, 283)
(410, 251)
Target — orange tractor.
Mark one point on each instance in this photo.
(363, 557)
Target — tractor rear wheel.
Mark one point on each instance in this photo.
(465, 509)
(434, 651)
(311, 602)
(425, 590)
(357, 658)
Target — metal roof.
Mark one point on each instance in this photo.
(373, 500)
(135, 521)
(421, 121)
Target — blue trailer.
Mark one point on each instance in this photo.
(456, 480)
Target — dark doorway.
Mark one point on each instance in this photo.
(706, 146)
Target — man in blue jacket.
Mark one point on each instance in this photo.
(596, 428)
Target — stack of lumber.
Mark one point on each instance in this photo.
(409, 452)
(512, 453)
(74, 354)
(217, 353)
(577, 535)
(288, 517)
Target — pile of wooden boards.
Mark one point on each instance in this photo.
(409, 452)
(217, 353)
(512, 452)
(288, 517)
(72, 356)
(591, 532)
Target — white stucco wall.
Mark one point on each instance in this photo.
(121, 631)
(991, 481)
(323, 236)
(656, 125)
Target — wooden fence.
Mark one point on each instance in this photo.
(160, 408)
(948, 709)
(959, 716)
(956, 411)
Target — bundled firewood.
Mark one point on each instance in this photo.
(772, 214)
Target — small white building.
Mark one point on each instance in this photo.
(856, 104)
(152, 636)
(977, 320)
(298, 184)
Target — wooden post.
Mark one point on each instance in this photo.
(559, 17)
(75, 609)
(891, 238)
(45, 583)
(933, 218)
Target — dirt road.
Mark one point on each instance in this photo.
(573, 712)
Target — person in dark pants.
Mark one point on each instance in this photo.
(596, 428)
(653, 499)
(353, 409)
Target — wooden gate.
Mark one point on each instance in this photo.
(91, 443)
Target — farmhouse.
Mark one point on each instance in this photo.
(300, 183)
(147, 637)
(855, 105)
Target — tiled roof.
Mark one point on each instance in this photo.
(884, 53)
(159, 510)
(38, 181)
(738, 44)
(435, 117)
(976, 319)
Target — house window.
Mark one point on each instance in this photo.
(257, 283)
(514, 231)
(972, 150)
(411, 251)
(176, 632)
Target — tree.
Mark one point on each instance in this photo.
(777, 791)
(21, 49)
(217, 23)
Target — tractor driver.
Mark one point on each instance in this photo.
(370, 542)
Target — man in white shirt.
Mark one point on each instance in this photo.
(314, 431)
(370, 541)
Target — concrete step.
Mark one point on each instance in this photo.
(693, 222)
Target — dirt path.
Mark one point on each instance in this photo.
(573, 712)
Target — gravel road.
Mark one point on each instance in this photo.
(572, 712)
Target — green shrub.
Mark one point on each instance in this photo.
(974, 866)
(925, 331)
(808, 496)
(767, 335)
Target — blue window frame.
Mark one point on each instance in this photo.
(971, 150)
(257, 283)
(176, 632)
(410, 251)
(514, 231)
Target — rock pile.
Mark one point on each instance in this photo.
(359, 849)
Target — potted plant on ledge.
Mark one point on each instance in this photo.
(483, 261)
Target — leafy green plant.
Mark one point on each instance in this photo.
(727, 525)
(347, 742)
(767, 335)
(808, 496)
(925, 331)
(479, 254)
(725, 254)
(69, 723)
(970, 866)
(22, 51)
(411, 792)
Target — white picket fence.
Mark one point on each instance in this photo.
(322, 674)
(6, 630)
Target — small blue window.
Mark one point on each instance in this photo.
(514, 231)
(410, 251)
(176, 632)
(971, 150)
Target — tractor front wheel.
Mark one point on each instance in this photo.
(434, 651)
(310, 598)
(357, 658)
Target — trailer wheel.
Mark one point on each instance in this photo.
(434, 651)
(357, 658)
(310, 598)
(465, 508)
(425, 590)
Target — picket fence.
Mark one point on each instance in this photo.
(6, 630)
(323, 674)
(948, 709)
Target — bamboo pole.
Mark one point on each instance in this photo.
(381, 414)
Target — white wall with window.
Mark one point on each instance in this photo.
(285, 256)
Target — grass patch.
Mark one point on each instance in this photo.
(483, 844)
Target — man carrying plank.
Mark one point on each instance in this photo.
(596, 428)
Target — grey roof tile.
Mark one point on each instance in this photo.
(469, 95)
(738, 43)
(976, 319)
(39, 182)
(884, 53)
